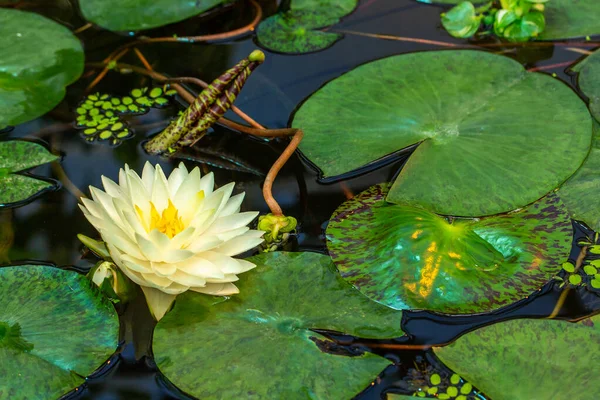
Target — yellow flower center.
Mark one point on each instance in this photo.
(169, 222)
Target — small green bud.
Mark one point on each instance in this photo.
(112, 282)
(276, 226)
(96, 246)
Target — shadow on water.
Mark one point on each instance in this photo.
(46, 228)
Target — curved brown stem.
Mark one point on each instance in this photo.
(276, 167)
(195, 39)
(563, 296)
(266, 133)
(551, 66)
(83, 28)
(102, 74)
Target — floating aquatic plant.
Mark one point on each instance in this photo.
(295, 29)
(410, 258)
(173, 235)
(38, 58)
(17, 156)
(514, 20)
(99, 115)
(135, 15)
(495, 359)
(482, 148)
(264, 340)
(55, 330)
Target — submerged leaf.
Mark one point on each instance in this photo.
(409, 258)
(16, 156)
(38, 58)
(262, 341)
(135, 15)
(55, 329)
(496, 359)
(480, 121)
(295, 31)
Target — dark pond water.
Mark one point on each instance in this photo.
(45, 230)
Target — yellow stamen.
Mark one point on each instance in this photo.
(168, 223)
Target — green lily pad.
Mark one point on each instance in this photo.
(481, 122)
(588, 80)
(410, 258)
(16, 156)
(136, 15)
(295, 31)
(580, 192)
(55, 329)
(38, 58)
(571, 18)
(261, 341)
(530, 359)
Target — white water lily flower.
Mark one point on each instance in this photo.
(173, 235)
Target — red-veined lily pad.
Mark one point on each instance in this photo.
(260, 341)
(135, 15)
(16, 156)
(38, 58)
(55, 329)
(409, 258)
(481, 121)
(530, 359)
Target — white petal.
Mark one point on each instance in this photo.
(164, 269)
(207, 183)
(217, 289)
(93, 208)
(106, 202)
(201, 268)
(136, 264)
(226, 190)
(203, 243)
(231, 234)
(228, 264)
(150, 251)
(158, 302)
(156, 281)
(134, 223)
(138, 195)
(187, 279)
(233, 205)
(148, 176)
(176, 179)
(232, 222)
(160, 190)
(240, 243)
(188, 193)
(175, 288)
(123, 179)
(183, 238)
(111, 187)
(116, 256)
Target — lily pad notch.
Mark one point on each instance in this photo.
(298, 28)
(480, 149)
(269, 330)
(16, 187)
